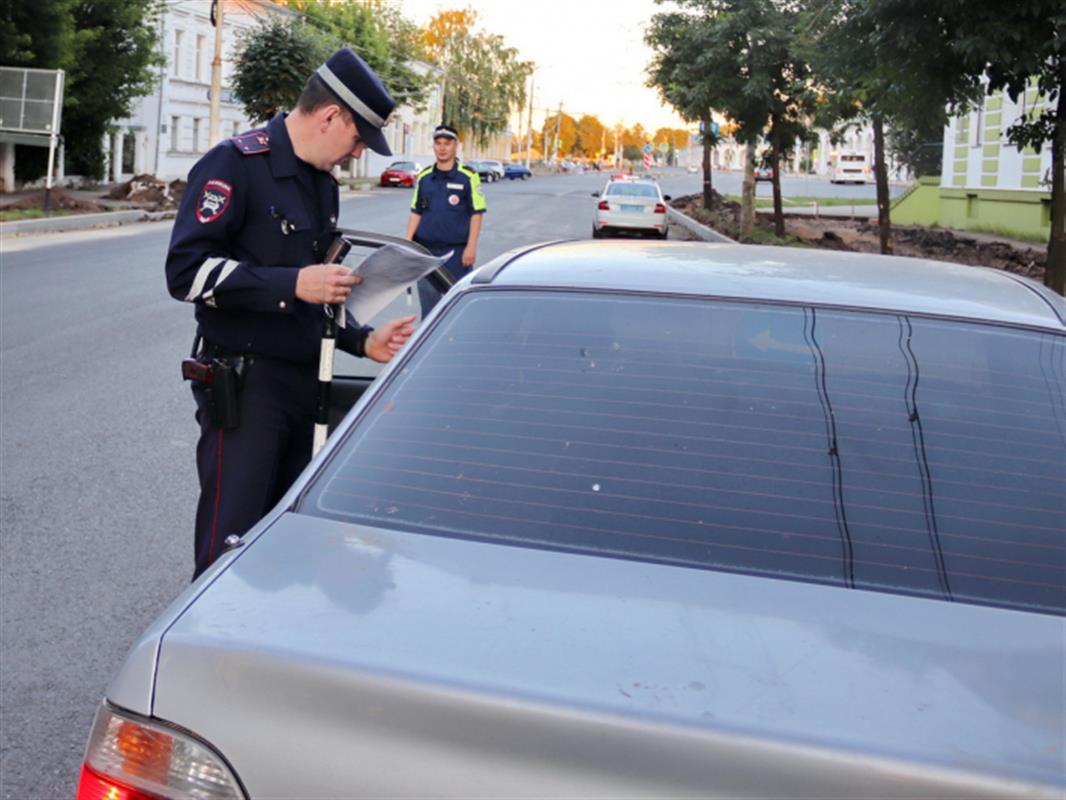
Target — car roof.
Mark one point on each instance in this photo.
(787, 275)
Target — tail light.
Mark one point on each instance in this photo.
(131, 758)
(660, 208)
(603, 206)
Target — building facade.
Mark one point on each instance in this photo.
(986, 182)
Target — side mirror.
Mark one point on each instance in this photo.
(666, 198)
(595, 194)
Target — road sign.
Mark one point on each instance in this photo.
(647, 147)
(664, 147)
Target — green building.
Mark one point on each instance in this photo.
(987, 184)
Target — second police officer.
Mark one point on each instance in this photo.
(447, 206)
(247, 249)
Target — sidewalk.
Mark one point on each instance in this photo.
(119, 212)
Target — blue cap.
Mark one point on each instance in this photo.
(361, 91)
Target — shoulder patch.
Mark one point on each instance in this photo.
(214, 200)
(252, 142)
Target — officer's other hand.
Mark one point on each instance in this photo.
(325, 283)
(469, 255)
(384, 342)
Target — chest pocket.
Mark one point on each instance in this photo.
(285, 234)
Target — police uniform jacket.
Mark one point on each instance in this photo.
(446, 200)
(252, 215)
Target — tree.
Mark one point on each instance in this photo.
(563, 143)
(109, 51)
(286, 50)
(484, 80)
(591, 137)
(737, 57)
(382, 37)
(888, 63)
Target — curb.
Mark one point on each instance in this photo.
(74, 222)
(697, 228)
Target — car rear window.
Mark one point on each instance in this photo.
(874, 451)
(632, 190)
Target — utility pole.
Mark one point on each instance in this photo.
(529, 127)
(558, 125)
(216, 73)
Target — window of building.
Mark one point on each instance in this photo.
(197, 132)
(200, 57)
(175, 132)
(179, 41)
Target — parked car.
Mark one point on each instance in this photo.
(484, 169)
(647, 520)
(514, 170)
(631, 206)
(497, 168)
(400, 173)
(764, 172)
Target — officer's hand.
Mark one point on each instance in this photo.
(325, 283)
(383, 343)
(469, 255)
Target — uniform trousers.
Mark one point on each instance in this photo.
(244, 471)
(427, 296)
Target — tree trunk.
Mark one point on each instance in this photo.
(705, 127)
(747, 195)
(884, 222)
(1055, 274)
(775, 164)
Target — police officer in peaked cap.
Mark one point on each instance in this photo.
(247, 251)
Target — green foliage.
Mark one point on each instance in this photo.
(109, 51)
(274, 62)
(484, 80)
(116, 51)
(34, 34)
(380, 34)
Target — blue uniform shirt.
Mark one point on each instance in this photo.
(446, 200)
(252, 215)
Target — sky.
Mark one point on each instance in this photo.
(589, 54)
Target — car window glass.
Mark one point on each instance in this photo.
(632, 190)
(873, 451)
(409, 302)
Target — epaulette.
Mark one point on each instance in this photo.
(252, 142)
(468, 171)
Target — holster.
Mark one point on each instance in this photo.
(219, 378)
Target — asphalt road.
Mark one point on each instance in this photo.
(97, 438)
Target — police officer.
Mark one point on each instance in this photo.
(447, 206)
(247, 248)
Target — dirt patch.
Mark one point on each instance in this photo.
(862, 237)
(149, 192)
(62, 200)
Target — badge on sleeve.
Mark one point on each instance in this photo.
(214, 200)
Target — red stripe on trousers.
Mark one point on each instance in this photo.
(218, 499)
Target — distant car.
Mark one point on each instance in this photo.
(764, 172)
(646, 520)
(484, 169)
(400, 173)
(631, 205)
(497, 168)
(515, 171)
